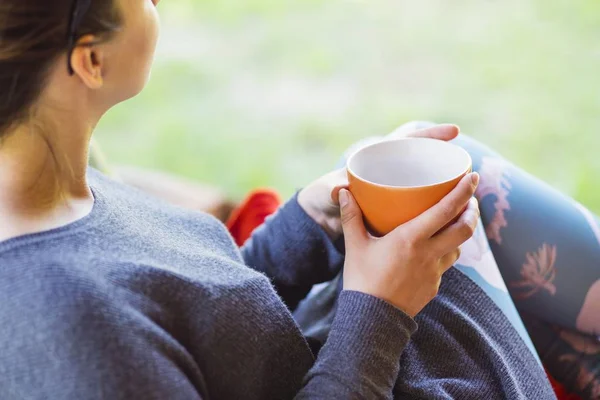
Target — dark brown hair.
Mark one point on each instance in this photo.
(33, 34)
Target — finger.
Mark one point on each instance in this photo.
(339, 181)
(450, 259)
(437, 217)
(444, 132)
(353, 226)
(335, 193)
(460, 231)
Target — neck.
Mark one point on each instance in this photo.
(43, 175)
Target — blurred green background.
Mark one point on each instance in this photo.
(249, 93)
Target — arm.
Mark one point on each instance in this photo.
(294, 251)
(361, 358)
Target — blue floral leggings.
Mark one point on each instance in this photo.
(537, 255)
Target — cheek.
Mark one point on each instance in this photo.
(145, 46)
(139, 55)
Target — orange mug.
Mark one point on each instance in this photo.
(395, 181)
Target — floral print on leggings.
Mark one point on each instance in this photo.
(547, 249)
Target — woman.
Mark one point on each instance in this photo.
(107, 294)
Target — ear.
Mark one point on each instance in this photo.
(87, 61)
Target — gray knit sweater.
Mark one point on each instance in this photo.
(140, 300)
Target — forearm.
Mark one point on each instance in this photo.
(294, 251)
(361, 358)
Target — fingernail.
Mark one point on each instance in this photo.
(475, 178)
(343, 197)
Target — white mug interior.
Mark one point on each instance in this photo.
(410, 162)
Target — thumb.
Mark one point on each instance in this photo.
(335, 193)
(352, 220)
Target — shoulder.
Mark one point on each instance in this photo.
(143, 214)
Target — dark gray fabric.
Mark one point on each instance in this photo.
(140, 300)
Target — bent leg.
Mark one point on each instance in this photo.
(547, 246)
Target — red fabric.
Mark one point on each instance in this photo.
(561, 393)
(259, 204)
(251, 213)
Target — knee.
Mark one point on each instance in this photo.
(469, 143)
(478, 151)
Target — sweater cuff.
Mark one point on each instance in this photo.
(368, 327)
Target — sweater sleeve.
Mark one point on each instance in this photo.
(294, 252)
(361, 358)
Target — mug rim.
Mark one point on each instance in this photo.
(465, 171)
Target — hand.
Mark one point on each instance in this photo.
(405, 267)
(320, 199)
